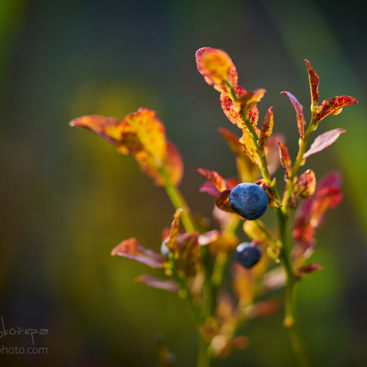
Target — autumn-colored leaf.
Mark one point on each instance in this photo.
(142, 135)
(229, 109)
(272, 151)
(249, 146)
(215, 178)
(332, 106)
(110, 128)
(247, 170)
(217, 68)
(266, 128)
(253, 231)
(248, 100)
(299, 112)
(312, 211)
(305, 185)
(167, 285)
(253, 115)
(171, 241)
(323, 141)
(308, 269)
(285, 159)
(222, 201)
(133, 250)
(314, 81)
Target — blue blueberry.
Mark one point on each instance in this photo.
(248, 200)
(247, 255)
(164, 250)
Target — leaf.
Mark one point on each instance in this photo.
(285, 159)
(299, 111)
(217, 68)
(188, 254)
(171, 241)
(247, 170)
(332, 106)
(250, 147)
(110, 128)
(266, 128)
(142, 135)
(323, 141)
(167, 285)
(272, 151)
(215, 178)
(222, 201)
(311, 214)
(133, 250)
(248, 100)
(253, 115)
(305, 185)
(229, 109)
(173, 165)
(308, 269)
(314, 81)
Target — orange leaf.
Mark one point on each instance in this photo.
(332, 106)
(266, 128)
(110, 128)
(250, 147)
(314, 81)
(248, 100)
(148, 130)
(299, 111)
(217, 68)
(247, 171)
(285, 159)
(142, 135)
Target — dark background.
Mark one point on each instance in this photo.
(67, 198)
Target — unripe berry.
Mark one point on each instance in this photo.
(247, 255)
(248, 200)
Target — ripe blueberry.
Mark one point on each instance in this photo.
(248, 200)
(247, 255)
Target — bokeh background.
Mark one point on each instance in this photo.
(67, 198)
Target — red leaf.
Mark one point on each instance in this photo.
(308, 269)
(266, 128)
(248, 101)
(253, 115)
(323, 141)
(285, 159)
(332, 106)
(133, 250)
(305, 185)
(222, 201)
(314, 80)
(272, 151)
(215, 178)
(217, 68)
(249, 146)
(299, 111)
(167, 285)
(312, 211)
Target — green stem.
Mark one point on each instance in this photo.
(290, 318)
(205, 359)
(178, 202)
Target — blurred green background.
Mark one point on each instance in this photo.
(67, 198)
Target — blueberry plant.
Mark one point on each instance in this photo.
(195, 258)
